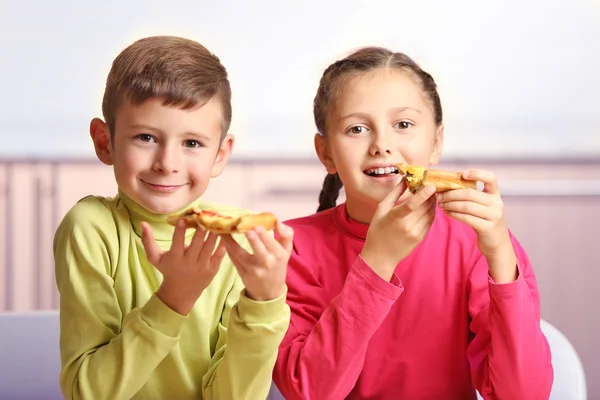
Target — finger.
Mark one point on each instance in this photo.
(237, 253)
(427, 223)
(255, 238)
(178, 244)
(197, 243)
(207, 248)
(470, 208)
(474, 222)
(422, 215)
(392, 197)
(271, 244)
(286, 236)
(153, 252)
(217, 257)
(488, 178)
(414, 202)
(471, 195)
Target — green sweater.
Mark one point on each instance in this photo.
(119, 341)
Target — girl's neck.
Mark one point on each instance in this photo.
(360, 211)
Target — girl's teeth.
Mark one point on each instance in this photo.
(382, 170)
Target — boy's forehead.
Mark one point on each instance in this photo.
(204, 119)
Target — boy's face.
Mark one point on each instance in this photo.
(164, 156)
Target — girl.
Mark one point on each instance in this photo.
(401, 296)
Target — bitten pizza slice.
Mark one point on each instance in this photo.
(212, 220)
(418, 177)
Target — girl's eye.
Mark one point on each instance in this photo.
(144, 137)
(357, 130)
(192, 144)
(404, 125)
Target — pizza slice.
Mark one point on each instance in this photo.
(418, 177)
(213, 221)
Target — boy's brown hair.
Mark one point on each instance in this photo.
(179, 71)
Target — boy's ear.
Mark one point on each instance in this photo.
(102, 143)
(322, 150)
(438, 143)
(222, 156)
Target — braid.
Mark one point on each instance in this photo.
(330, 192)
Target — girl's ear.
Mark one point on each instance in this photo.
(322, 150)
(438, 143)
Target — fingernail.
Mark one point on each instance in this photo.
(430, 189)
(465, 174)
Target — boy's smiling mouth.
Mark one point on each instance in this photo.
(162, 188)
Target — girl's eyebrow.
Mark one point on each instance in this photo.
(360, 115)
(402, 109)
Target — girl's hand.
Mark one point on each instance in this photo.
(484, 212)
(396, 229)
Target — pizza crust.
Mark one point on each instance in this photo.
(213, 221)
(418, 177)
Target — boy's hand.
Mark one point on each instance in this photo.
(186, 271)
(396, 229)
(484, 212)
(263, 272)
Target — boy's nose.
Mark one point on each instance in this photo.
(168, 161)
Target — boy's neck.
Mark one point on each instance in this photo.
(161, 229)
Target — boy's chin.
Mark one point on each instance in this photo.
(165, 207)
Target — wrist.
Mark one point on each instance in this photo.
(272, 294)
(379, 264)
(175, 299)
(503, 265)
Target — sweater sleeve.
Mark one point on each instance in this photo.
(509, 355)
(104, 354)
(323, 352)
(249, 336)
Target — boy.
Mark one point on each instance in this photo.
(148, 310)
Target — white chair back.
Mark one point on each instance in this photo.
(29, 355)
(569, 376)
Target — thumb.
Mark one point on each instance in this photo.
(286, 236)
(392, 197)
(153, 252)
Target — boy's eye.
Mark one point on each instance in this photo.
(144, 137)
(357, 130)
(192, 144)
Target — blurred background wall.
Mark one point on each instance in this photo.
(518, 80)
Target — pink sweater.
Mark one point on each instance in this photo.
(438, 330)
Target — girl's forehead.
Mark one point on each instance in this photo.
(379, 89)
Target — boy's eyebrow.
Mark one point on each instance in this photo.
(197, 135)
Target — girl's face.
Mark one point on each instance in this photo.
(380, 119)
